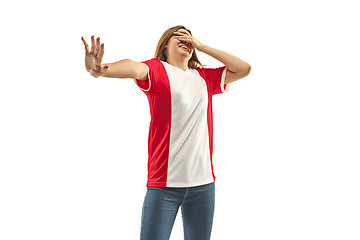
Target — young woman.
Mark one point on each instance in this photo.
(180, 145)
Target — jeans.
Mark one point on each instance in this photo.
(161, 205)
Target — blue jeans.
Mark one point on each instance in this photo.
(161, 205)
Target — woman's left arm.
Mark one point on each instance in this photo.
(236, 68)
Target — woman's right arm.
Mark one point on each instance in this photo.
(125, 68)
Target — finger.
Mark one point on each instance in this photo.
(97, 47)
(183, 38)
(179, 33)
(104, 69)
(183, 35)
(181, 30)
(97, 69)
(101, 53)
(92, 44)
(100, 70)
(86, 45)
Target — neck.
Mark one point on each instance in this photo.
(181, 63)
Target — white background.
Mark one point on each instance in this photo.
(73, 148)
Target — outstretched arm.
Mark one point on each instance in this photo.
(236, 68)
(125, 68)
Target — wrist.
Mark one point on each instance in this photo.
(201, 47)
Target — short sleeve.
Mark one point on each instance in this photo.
(147, 85)
(215, 79)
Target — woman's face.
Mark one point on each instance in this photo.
(175, 48)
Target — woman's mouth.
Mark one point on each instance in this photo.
(184, 47)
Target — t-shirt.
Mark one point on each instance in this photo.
(180, 140)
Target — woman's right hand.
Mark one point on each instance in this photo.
(94, 57)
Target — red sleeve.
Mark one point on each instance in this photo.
(215, 79)
(149, 84)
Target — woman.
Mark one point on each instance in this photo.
(179, 91)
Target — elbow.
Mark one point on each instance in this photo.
(245, 71)
(248, 70)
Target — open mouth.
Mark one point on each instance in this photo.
(183, 46)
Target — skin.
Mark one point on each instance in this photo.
(236, 68)
(94, 57)
(176, 55)
(126, 68)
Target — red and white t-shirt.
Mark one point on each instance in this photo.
(180, 142)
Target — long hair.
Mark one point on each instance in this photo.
(160, 49)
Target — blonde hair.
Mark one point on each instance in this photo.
(160, 49)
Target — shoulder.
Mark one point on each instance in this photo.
(152, 61)
(211, 74)
(209, 70)
(154, 64)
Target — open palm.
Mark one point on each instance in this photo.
(94, 57)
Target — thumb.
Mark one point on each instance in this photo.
(104, 69)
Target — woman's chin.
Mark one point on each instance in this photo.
(185, 54)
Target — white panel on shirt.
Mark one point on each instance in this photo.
(189, 154)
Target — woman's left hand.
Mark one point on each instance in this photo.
(185, 36)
